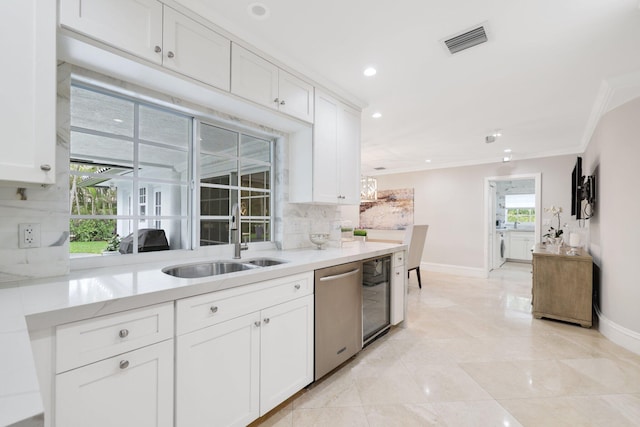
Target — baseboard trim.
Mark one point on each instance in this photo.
(618, 334)
(457, 270)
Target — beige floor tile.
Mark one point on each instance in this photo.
(389, 388)
(409, 415)
(353, 416)
(447, 383)
(535, 378)
(616, 375)
(337, 390)
(585, 411)
(473, 414)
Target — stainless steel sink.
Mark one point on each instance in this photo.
(192, 271)
(264, 262)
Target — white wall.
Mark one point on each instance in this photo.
(451, 201)
(613, 156)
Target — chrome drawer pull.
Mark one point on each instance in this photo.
(213, 309)
(257, 323)
(124, 364)
(266, 320)
(297, 286)
(123, 333)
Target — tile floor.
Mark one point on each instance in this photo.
(472, 355)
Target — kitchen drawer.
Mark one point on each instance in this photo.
(398, 258)
(215, 307)
(88, 341)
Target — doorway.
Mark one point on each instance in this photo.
(512, 218)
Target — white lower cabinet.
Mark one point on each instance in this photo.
(520, 245)
(131, 389)
(286, 351)
(238, 369)
(216, 374)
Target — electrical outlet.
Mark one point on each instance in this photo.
(28, 236)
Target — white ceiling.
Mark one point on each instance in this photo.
(548, 70)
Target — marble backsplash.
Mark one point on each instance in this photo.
(49, 206)
(44, 205)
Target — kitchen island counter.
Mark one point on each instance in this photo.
(34, 305)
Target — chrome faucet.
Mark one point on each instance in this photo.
(236, 232)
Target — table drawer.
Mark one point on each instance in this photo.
(215, 307)
(88, 341)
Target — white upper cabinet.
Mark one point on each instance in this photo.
(295, 96)
(154, 32)
(28, 42)
(333, 158)
(348, 155)
(131, 25)
(196, 51)
(258, 80)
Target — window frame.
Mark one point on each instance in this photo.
(192, 217)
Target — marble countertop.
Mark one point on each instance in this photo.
(43, 303)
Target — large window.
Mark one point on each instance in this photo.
(131, 169)
(520, 209)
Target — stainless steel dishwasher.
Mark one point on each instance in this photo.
(338, 311)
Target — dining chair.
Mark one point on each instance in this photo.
(414, 238)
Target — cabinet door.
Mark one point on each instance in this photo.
(196, 51)
(217, 377)
(325, 146)
(398, 293)
(253, 77)
(286, 350)
(296, 96)
(131, 25)
(28, 88)
(133, 389)
(349, 156)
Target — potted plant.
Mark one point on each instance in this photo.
(113, 245)
(554, 234)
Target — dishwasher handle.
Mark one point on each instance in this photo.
(339, 276)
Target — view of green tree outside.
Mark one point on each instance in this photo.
(521, 215)
(90, 200)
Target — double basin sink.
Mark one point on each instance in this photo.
(215, 268)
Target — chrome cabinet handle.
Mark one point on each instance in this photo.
(123, 333)
(45, 167)
(213, 309)
(257, 323)
(124, 364)
(266, 320)
(282, 102)
(297, 286)
(170, 54)
(158, 49)
(276, 100)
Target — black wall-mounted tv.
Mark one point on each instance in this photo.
(577, 181)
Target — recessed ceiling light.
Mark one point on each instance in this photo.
(428, 161)
(370, 71)
(258, 11)
(506, 158)
(507, 150)
(117, 120)
(376, 115)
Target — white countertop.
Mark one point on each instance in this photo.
(38, 304)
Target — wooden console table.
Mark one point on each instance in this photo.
(562, 285)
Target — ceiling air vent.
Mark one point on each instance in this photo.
(466, 40)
